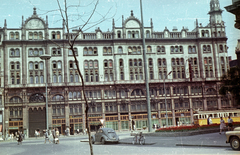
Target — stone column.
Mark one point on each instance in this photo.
(119, 117)
(129, 115)
(159, 115)
(50, 117)
(83, 118)
(191, 109)
(219, 103)
(205, 104)
(173, 112)
(67, 115)
(26, 120)
(103, 114)
(6, 120)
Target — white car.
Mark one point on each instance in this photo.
(233, 137)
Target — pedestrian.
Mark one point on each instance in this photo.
(36, 134)
(208, 121)
(230, 123)
(46, 136)
(19, 137)
(222, 125)
(53, 134)
(11, 136)
(57, 136)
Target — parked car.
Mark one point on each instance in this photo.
(104, 135)
(233, 137)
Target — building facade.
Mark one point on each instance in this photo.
(112, 65)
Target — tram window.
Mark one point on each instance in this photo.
(215, 115)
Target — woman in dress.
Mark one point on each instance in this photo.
(222, 125)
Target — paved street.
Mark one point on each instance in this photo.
(215, 144)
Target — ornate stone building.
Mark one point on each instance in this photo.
(112, 65)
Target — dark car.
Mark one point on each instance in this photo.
(104, 135)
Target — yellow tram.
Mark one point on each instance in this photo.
(200, 117)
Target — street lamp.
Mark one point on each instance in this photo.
(165, 97)
(46, 57)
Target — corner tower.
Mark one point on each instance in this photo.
(215, 13)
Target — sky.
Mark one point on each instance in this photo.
(164, 13)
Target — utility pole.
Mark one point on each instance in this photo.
(146, 74)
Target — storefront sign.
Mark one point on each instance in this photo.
(13, 127)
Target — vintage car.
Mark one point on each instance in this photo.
(233, 137)
(104, 135)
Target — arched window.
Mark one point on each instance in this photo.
(40, 35)
(12, 52)
(36, 52)
(59, 78)
(76, 78)
(85, 51)
(17, 53)
(90, 51)
(31, 79)
(70, 95)
(95, 64)
(137, 34)
(139, 50)
(41, 79)
(36, 79)
(149, 49)
(53, 35)
(30, 35)
(30, 65)
(118, 34)
(147, 34)
(71, 77)
(150, 62)
(120, 50)
(16, 35)
(11, 35)
(129, 34)
(54, 78)
(58, 35)
(35, 35)
(59, 65)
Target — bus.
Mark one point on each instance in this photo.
(200, 117)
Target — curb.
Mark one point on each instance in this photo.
(124, 143)
(178, 134)
(201, 145)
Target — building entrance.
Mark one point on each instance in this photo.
(37, 120)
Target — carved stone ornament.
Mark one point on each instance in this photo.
(35, 24)
(37, 98)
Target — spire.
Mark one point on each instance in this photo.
(5, 23)
(151, 23)
(47, 21)
(63, 24)
(34, 11)
(196, 22)
(131, 12)
(22, 21)
(113, 23)
(122, 21)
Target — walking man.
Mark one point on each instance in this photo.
(46, 136)
(230, 123)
